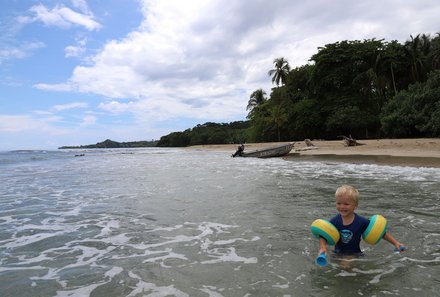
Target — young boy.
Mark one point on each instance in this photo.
(351, 225)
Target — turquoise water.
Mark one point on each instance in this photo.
(170, 222)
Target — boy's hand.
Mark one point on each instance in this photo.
(400, 248)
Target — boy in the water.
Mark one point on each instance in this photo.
(351, 225)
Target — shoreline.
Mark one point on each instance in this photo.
(419, 152)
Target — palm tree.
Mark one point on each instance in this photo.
(256, 98)
(435, 53)
(281, 71)
(395, 65)
(277, 117)
(417, 50)
(390, 59)
(370, 80)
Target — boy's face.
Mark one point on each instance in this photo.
(345, 205)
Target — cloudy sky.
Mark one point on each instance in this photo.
(78, 72)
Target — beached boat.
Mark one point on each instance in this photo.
(276, 151)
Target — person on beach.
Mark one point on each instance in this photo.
(351, 225)
(239, 151)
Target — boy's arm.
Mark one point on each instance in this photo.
(322, 245)
(388, 237)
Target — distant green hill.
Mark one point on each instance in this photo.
(114, 144)
(208, 133)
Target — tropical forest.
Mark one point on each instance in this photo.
(364, 89)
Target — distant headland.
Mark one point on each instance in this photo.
(114, 144)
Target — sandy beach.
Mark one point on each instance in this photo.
(420, 152)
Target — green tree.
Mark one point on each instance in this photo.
(208, 133)
(395, 66)
(371, 80)
(415, 112)
(277, 118)
(281, 71)
(259, 131)
(434, 55)
(348, 75)
(256, 98)
(305, 120)
(418, 50)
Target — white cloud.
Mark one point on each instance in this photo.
(61, 16)
(163, 66)
(202, 59)
(63, 87)
(42, 131)
(76, 50)
(116, 107)
(20, 52)
(69, 106)
(82, 6)
(20, 123)
(88, 120)
(43, 120)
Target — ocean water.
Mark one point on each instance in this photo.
(171, 222)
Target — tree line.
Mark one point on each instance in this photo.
(367, 89)
(208, 133)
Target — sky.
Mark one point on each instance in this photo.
(77, 72)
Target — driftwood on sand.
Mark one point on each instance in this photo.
(350, 141)
(308, 142)
(309, 146)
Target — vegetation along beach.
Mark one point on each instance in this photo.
(370, 89)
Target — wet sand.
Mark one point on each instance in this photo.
(420, 152)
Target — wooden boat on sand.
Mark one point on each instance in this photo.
(276, 151)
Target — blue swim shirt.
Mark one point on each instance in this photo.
(350, 235)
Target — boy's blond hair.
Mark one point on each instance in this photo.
(349, 191)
